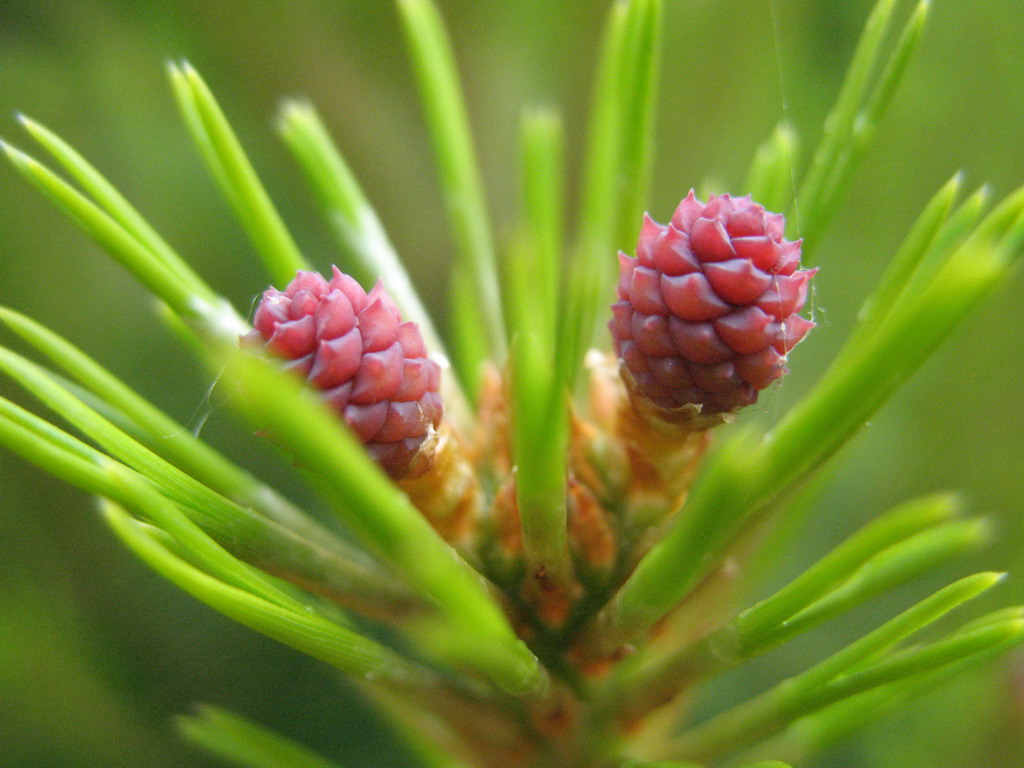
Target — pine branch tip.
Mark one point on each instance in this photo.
(13, 153)
(294, 108)
(571, 487)
(952, 502)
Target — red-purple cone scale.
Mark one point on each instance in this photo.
(352, 345)
(708, 309)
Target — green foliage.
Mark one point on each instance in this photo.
(770, 179)
(235, 175)
(870, 84)
(429, 625)
(107, 233)
(457, 166)
(292, 625)
(540, 438)
(244, 743)
(615, 171)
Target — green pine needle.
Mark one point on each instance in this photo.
(765, 618)
(150, 270)
(384, 519)
(117, 207)
(317, 637)
(234, 173)
(918, 242)
(845, 674)
(866, 93)
(244, 743)
(322, 560)
(614, 182)
(515, 661)
(356, 226)
(441, 95)
(164, 436)
(866, 123)
(540, 442)
(770, 178)
(543, 217)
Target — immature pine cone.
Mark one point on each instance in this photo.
(708, 309)
(372, 368)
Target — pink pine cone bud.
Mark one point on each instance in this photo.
(708, 308)
(372, 368)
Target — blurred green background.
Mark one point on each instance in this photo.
(96, 653)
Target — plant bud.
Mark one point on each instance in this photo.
(708, 309)
(353, 347)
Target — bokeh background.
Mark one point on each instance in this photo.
(97, 654)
